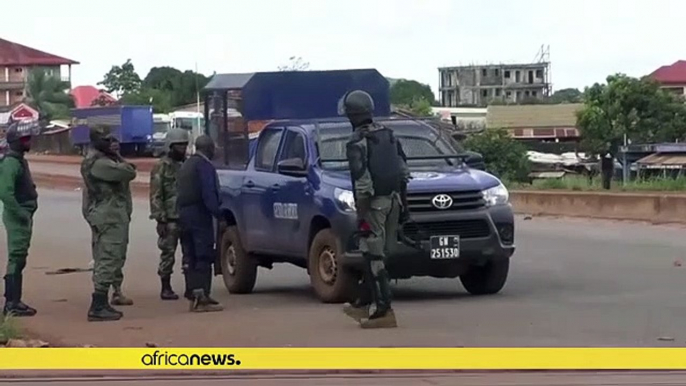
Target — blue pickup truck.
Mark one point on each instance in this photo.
(293, 203)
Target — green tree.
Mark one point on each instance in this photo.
(406, 92)
(567, 95)
(503, 155)
(421, 107)
(159, 100)
(121, 80)
(637, 108)
(49, 95)
(182, 87)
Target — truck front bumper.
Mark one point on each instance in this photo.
(485, 234)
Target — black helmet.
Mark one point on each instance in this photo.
(14, 134)
(356, 103)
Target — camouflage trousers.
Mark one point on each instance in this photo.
(383, 220)
(110, 244)
(168, 243)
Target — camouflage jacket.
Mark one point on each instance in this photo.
(163, 191)
(107, 194)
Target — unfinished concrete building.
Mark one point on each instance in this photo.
(479, 85)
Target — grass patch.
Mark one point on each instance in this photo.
(583, 184)
(9, 329)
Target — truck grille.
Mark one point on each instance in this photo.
(467, 200)
(466, 229)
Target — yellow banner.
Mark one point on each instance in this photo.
(343, 358)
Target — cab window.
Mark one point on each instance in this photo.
(267, 147)
(294, 146)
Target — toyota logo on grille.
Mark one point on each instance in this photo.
(442, 201)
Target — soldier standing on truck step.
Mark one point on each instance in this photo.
(198, 206)
(163, 206)
(107, 207)
(20, 201)
(379, 175)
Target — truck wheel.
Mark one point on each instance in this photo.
(488, 279)
(331, 282)
(239, 270)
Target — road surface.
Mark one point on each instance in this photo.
(573, 283)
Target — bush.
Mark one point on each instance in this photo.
(506, 158)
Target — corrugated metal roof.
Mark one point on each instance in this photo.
(530, 116)
(672, 74)
(663, 160)
(15, 54)
(85, 95)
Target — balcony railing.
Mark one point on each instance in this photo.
(12, 85)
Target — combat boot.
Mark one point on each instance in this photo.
(359, 309)
(207, 286)
(167, 293)
(118, 298)
(201, 303)
(100, 311)
(383, 316)
(356, 310)
(13, 292)
(380, 319)
(187, 276)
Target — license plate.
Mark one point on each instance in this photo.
(445, 247)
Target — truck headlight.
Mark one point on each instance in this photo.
(497, 195)
(344, 199)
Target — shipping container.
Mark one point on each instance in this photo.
(133, 126)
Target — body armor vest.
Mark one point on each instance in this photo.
(383, 162)
(24, 188)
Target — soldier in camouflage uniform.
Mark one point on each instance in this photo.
(20, 201)
(107, 208)
(163, 206)
(379, 177)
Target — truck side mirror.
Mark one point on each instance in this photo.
(292, 167)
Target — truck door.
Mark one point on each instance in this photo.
(257, 191)
(293, 200)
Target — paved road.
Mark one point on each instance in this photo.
(573, 283)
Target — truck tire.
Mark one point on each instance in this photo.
(331, 282)
(488, 279)
(239, 270)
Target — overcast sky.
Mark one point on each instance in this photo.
(588, 39)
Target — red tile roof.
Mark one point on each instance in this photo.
(85, 95)
(672, 74)
(15, 54)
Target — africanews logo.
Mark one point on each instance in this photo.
(165, 359)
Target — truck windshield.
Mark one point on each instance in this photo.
(189, 123)
(162, 127)
(417, 141)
